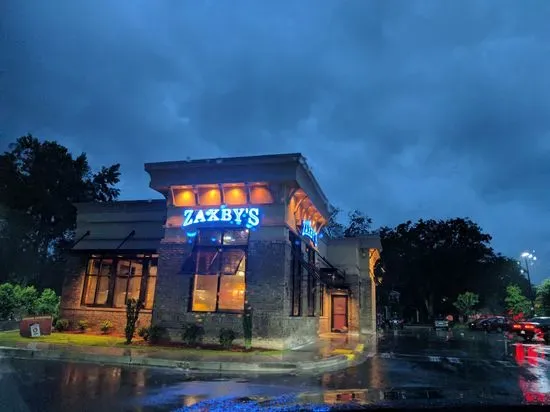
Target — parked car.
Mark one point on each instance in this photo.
(496, 324)
(441, 323)
(474, 325)
(396, 323)
(537, 327)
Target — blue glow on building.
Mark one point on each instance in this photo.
(308, 231)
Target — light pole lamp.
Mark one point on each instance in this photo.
(527, 258)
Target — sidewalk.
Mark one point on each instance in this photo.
(331, 352)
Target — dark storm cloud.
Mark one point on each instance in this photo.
(405, 109)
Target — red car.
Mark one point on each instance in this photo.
(536, 327)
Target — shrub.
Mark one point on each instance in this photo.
(48, 303)
(247, 326)
(82, 325)
(105, 326)
(27, 300)
(8, 301)
(156, 332)
(192, 333)
(152, 334)
(19, 301)
(133, 307)
(143, 333)
(62, 325)
(227, 336)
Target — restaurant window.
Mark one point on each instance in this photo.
(311, 281)
(111, 280)
(296, 274)
(151, 283)
(220, 266)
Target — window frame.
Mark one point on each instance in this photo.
(145, 259)
(221, 248)
(297, 274)
(311, 282)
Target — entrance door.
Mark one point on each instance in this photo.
(339, 313)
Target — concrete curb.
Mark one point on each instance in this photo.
(328, 364)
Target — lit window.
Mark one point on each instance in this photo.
(97, 281)
(235, 237)
(184, 197)
(209, 196)
(219, 282)
(234, 195)
(151, 284)
(204, 293)
(260, 195)
(232, 290)
(209, 237)
(128, 273)
(127, 282)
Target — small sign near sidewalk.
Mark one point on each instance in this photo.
(35, 330)
(35, 326)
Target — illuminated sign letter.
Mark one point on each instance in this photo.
(226, 215)
(212, 215)
(238, 213)
(308, 231)
(187, 217)
(249, 217)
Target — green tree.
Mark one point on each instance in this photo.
(466, 302)
(516, 302)
(542, 303)
(431, 260)
(334, 229)
(8, 301)
(39, 183)
(359, 224)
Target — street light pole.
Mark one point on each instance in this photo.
(526, 257)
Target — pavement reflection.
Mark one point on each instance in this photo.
(535, 382)
(418, 366)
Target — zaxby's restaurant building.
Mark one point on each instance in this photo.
(228, 231)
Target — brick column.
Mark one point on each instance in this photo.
(172, 291)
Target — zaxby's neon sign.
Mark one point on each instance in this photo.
(308, 231)
(245, 216)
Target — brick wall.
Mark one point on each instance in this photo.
(267, 283)
(71, 297)
(95, 316)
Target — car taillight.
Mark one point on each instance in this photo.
(530, 327)
(516, 326)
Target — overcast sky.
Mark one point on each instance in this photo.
(404, 109)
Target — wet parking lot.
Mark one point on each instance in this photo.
(414, 366)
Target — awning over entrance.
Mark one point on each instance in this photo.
(331, 276)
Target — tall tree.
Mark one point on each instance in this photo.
(432, 261)
(466, 302)
(516, 302)
(39, 182)
(334, 229)
(359, 224)
(543, 298)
